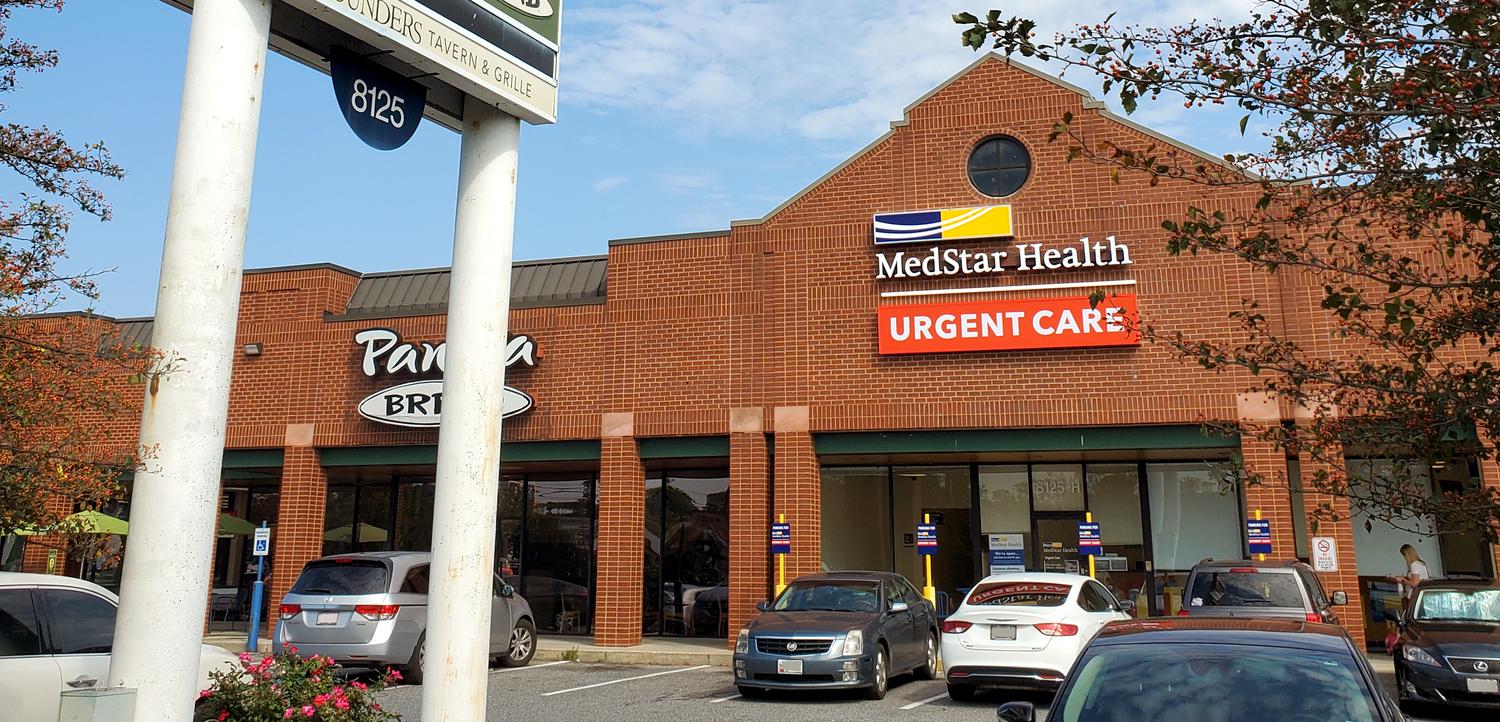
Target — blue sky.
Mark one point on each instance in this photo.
(676, 116)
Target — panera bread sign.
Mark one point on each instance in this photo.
(419, 403)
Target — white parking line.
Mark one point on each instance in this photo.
(724, 699)
(530, 666)
(933, 698)
(627, 679)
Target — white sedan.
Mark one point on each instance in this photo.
(1023, 631)
(56, 634)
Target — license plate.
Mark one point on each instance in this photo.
(789, 666)
(1489, 686)
(325, 618)
(1003, 631)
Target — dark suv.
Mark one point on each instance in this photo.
(1244, 588)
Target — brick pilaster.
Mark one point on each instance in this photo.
(621, 543)
(1489, 475)
(799, 491)
(1271, 494)
(1318, 507)
(749, 514)
(298, 536)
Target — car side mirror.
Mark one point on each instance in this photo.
(1127, 606)
(507, 591)
(1016, 712)
(763, 606)
(899, 607)
(1340, 598)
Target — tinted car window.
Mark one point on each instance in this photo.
(1314, 587)
(892, 593)
(20, 634)
(357, 576)
(1169, 682)
(1227, 588)
(1019, 594)
(829, 596)
(416, 580)
(1093, 598)
(913, 597)
(80, 623)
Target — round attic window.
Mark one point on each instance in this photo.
(999, 166)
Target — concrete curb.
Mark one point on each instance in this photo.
(635, 657)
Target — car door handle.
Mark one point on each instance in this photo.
(83, 681)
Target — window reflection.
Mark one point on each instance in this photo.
(687, 553)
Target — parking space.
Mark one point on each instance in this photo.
(574, 691)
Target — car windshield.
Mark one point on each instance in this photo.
(1019, 594)
(1231, 588)
(829, 596)
(1458, 605)
(1172, 682)
(354, 576)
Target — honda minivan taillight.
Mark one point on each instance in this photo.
(377, 612)
(290, 610)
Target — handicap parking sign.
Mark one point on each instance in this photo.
(262, 546)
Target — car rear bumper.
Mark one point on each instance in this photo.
(1444, 686)
(755, 669)
(386, 649)
(1040, 669)
(1005, 677)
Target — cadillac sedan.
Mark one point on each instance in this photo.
(838, 630)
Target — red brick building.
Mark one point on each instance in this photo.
(685, 390)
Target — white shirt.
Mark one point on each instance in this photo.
(1416, 571)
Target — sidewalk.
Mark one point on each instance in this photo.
(234, 642)
(661, 651)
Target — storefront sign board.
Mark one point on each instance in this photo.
(927, 541)
(1007, 325)
(1258, 533)
(781, 538)
(1325, 554)
(949, 224)
(1007, 553)
(419, 404)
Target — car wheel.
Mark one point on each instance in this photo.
(411, 672)
(750, 692)
(929, 667)
(522, 644)
(879, 679)
(960, 692)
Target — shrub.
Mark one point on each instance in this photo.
(288, 686)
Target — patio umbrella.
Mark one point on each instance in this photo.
(367, 533)
(234, 525)
(89, 522)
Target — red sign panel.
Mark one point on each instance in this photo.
(1007, 325)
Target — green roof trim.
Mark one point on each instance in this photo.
(585, 450)
(683, 447)
(252, 458)
(1101, 438)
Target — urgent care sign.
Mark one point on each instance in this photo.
(1008, 325)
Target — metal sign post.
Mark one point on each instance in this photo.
(164, 584)
(261, 546)
(1089, 542)
(927, 546)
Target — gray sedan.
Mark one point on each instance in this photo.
(370, 610)
(838, 630)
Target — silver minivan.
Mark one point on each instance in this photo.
(370, 610)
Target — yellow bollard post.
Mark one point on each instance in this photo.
(1088, 516)
(780, 563)
(928, 591)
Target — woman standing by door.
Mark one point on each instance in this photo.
(1416, 572)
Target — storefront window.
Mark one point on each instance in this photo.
(414, 516)
(1195, 514)
(338, 520)
(687, 553)
(1004, 515)
(944, 494)
(1114, 495)
(856, 518)
(557, 557)
(1057, 487)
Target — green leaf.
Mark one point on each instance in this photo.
(1243, 121)
(965, 19)
(1127, 100)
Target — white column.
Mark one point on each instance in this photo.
(468, 455)
(175, 502)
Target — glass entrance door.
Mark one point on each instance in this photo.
(1057, 542)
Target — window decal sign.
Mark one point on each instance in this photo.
(1003, 593)
(1007, 325)
(419, 404)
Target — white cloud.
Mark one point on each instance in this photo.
(831, 69)
(683, 182)
(605, 185)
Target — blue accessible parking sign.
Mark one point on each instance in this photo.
(1089, 543)
(781, 538)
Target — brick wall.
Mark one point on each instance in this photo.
(298, 538)
(621, 555)
(1272, 496)
(749, 513)
(1328, 516)
(799, 496)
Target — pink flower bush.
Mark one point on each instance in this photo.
(287, 686)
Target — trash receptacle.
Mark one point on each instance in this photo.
(115, 704)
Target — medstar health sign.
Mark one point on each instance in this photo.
(500, 52)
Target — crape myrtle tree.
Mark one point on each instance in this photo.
(1377, 185)
(59, 376)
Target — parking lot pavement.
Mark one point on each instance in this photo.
(575, 691)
